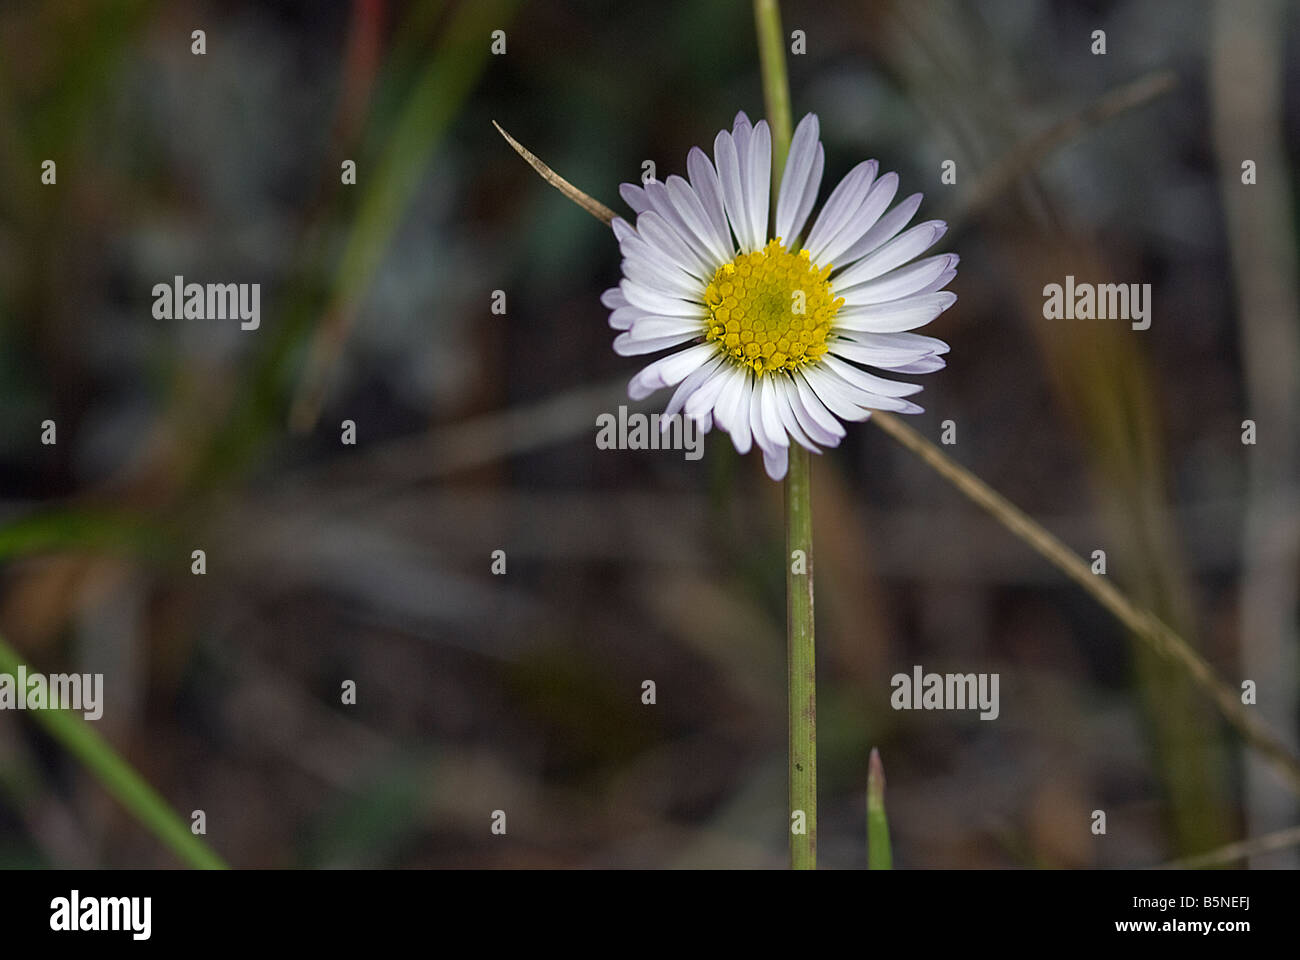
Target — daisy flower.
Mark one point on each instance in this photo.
(770, 334)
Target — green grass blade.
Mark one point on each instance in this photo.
(119, 778)
(880, 855)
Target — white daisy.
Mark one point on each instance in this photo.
(770, 332)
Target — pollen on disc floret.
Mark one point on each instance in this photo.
(771, 310)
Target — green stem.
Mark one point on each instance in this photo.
(802, 659)
(801, 654)
(776, 83)
(119, 778)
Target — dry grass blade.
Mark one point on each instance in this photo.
(1143, 623)
(1242, 850)
(1248, 89)
(593, 207)
(1030, 153)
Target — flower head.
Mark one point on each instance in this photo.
(768, 332)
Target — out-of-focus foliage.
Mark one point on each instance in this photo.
(371, 563)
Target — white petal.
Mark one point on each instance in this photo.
(852, 390)
(798, 167)
(649, 327)
(898, 283)
(741, 130)
(861, 234)
(776, 462)
(895, 405)
(627, 345)
(703, 400)
(636, 247)
(705, 181)
(670, 370)
(809, 196)
(894, 315)
(771, 417)
(727, 412)
(843, 202)
(788, 419)
(689, 386)
(657, 273)
(660, 304)
(662, 203)
(883, 229)
(758, 181)
(869, 382)
(731, 412)
(834, 394)
(901, 347)
(613, 298)
(722, 410)
(622, 230)
(634, 197)
(659, 234)
(623, 317)
(884, 358)
(733, 194)
(692, 211)
(924, 365)
(816, 411)
(742, 433)
(895, 253)
(842, 249)
(812, 427)
(943, 279)
(755, 411)
(844, 343)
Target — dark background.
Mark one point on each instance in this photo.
(371, 563)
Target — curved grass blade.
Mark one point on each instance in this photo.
(119, 778)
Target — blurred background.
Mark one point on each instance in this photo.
(475, 432)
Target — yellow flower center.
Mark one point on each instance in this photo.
(771, 310)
